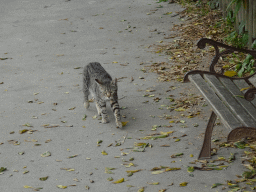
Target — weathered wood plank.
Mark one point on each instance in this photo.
(243, 84)
(253, 80)
(230, 101)
(247, 105)
(228, 119)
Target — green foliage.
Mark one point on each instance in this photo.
(240, 39)
(237, 40)
(238, 5)
(230, 19)
(246, 67)
(213, 4)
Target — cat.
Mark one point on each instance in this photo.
(98, 83)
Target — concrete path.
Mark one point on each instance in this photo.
(43, 44)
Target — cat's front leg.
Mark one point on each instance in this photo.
(101, 108)
(86, 104)
(116, 111)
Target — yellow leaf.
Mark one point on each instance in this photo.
(198, 23)
(180, 109)
(172, 169)
(104, 152)
(62, 186)
(166, 133)
(155, 183)
(124, 123)
(157, 172)
(245, 88)
(130, 164)
(191, 155)
(230, 73)
(119, 181)
(114, 62)
(141, 189)
(183, 184)
(171, 121)
(133, 171)
(225, 66)
(26, 186)
(70, 169)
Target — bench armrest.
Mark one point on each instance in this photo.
(228, 49)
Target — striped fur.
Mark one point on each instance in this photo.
(98, 83)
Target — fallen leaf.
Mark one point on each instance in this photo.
(26, 186)
(110, 179)
(230, 73)
(46, 154)
(176, 155)
(154, 183)
(107, 170)
(43, 178)
(104, 152)
(124, 123)
(73, 156)
(216, 185)
(243, 89)
(183, 184)
(62, 187)
(190, 169)
(133, 171)
(23, 131)
(164, 145)
(48, 140)
(157, 172)
(3, 169)
(118, 181)
(130, 164)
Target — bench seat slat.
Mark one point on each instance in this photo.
(243, 84)
(228, 119)
(253, 80)
(230, 101)
(247, 105)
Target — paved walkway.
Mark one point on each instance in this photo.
(45, 43)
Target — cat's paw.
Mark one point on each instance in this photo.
(119, 124)
(86, 104)
(104, 121)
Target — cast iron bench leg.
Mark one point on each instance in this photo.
(206, 148)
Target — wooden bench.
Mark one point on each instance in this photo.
(236, 108)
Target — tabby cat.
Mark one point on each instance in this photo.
(98, 83)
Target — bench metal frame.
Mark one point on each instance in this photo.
(237, 114)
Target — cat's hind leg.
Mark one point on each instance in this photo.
(101, 108)
(86, 101)
(86, 82)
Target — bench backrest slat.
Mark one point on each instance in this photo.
(228, 119)
(230, 101)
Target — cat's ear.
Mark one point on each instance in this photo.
(98, 81)
(114, 82)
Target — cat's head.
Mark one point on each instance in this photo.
(107, 89)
